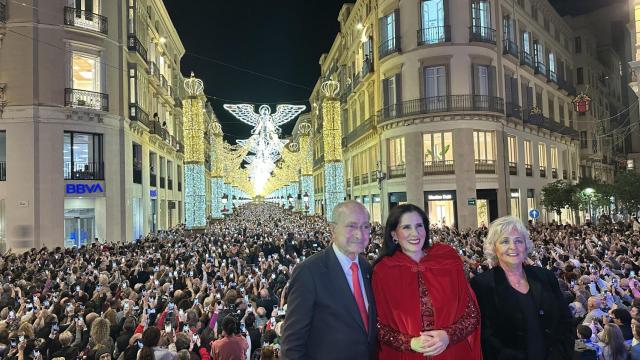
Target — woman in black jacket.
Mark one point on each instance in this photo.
(524, 314)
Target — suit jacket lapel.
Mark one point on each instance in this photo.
(344, 293)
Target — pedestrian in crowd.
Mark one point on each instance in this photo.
(232, 346)
(424, 303)
(585, 348)
(330, 310)
(524, 314)
(634, 351)
(613, 343)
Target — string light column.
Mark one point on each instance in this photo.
(306, 166)
(332, 138)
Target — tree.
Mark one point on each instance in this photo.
(557, 196)
(627, 190)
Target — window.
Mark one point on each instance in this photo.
(179, 176)
(88, 5)
(554, 157)
(508, 28)
(512, 143)
(153, 169)
(583, 139)
(526, 42)
(388, 37)
(538, 52)
(433, 28)
(137, 163)
(528, 153)
(542, 155)
(484, 146)
(481, 17)
(163, 172)
(435, 83)
(483, 80)
(515, 203)
(82, 154)
(133, 90)
(594, 143)
(396, 152)
(438, 147)
(578, 44)
(580, 76)
(85, 73)
(552, 66)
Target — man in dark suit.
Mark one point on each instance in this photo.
(330, 308)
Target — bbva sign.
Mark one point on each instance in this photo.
(83, 188)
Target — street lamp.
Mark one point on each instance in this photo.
(233, 199)
(589, 192)
(380, 175)
(290, 201)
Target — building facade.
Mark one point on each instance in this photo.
(462, 107)
(91, 122)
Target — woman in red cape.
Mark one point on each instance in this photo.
(424, 303)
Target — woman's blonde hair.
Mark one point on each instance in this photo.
(27, 329)
(613, 338)
(111, 316)
(100, 330)
(498, 230)
(65, 338)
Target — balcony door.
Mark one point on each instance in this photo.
(435, 82)
(481, 17)
(432, 21)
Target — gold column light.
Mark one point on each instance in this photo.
(193, 126)
(331, 126)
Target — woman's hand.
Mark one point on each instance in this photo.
(438, 342)
(419, 343)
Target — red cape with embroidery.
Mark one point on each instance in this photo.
(430, 295)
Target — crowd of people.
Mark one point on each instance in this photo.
(224, 292)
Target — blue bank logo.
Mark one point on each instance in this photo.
(83, 188)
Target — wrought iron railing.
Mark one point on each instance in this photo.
(482, 34)
(179, 186)
(526, 59)
(86, 99)
(364, 179)
(528, 169)
(348, 182)
(319, 161)
(75, 170)
(361, 130)
(543, 171)
(154, 71)
(438, 167)
(397, 171)
(137, 114)
(540, 68)
(510, 48)
(367, 66)
(164, 83)
(85, 19)
(552, 76)
(513, 168)
(157, 129)
(134, 44)
(356, 180)
(484, 166)
(389, 47)
(180, 147)
(434, 35)
(537, 118)
(445, 103)
(573, 175)
(513, 110)
(566, 86)
(3, 171)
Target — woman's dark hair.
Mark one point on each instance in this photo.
(393, 220)
(150, 338)
(230, 325)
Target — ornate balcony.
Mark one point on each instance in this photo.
(482, 34)
(485, 166)
(434, 35)
(526, 59)
(75, 170)
(513, 110)
(438, 167)
(364, 179)
(134, 44)
(137, 114)
(360, 130)
(554, 173)
(389, 47)
(85, 19)
(552, 76)
(356, 180)
(440, 104)
(367, 66)
(397, 171)
(510, 48)
(77, 98)
(154, 71)
(540, 68)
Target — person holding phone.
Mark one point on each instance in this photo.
(232, 345)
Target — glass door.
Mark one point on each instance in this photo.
(79, 227)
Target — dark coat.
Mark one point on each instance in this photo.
(323, 321)
(504, 325)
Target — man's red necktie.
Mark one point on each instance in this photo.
(357, 292)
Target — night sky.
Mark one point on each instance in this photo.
(280, 39)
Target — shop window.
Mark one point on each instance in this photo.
(82, 154)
